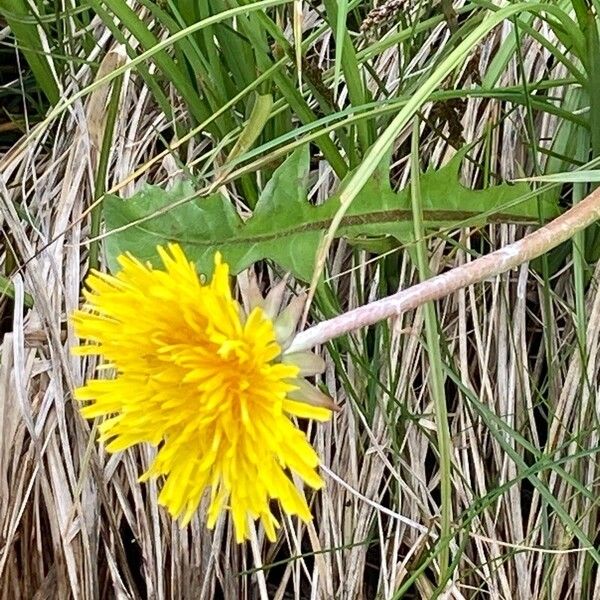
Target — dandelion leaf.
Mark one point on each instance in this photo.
(286, 228)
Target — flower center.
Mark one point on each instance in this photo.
(238, 364)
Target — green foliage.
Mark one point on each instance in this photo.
(7, 289)
(286, 228)
(24, 26)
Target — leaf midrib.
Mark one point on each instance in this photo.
(462, 219)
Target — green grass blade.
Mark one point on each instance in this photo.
(27, 36)
(436, 376)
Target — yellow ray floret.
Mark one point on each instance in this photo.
(204, 381)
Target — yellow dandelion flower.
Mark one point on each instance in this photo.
(207, 383)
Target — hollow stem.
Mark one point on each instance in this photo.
(513, 255)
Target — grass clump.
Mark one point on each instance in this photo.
(463, 463)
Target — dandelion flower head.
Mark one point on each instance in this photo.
(188, 371)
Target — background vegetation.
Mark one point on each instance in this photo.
(464, 461)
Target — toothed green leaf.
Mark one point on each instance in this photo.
(287, 229)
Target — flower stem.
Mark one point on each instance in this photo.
(531, 246)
